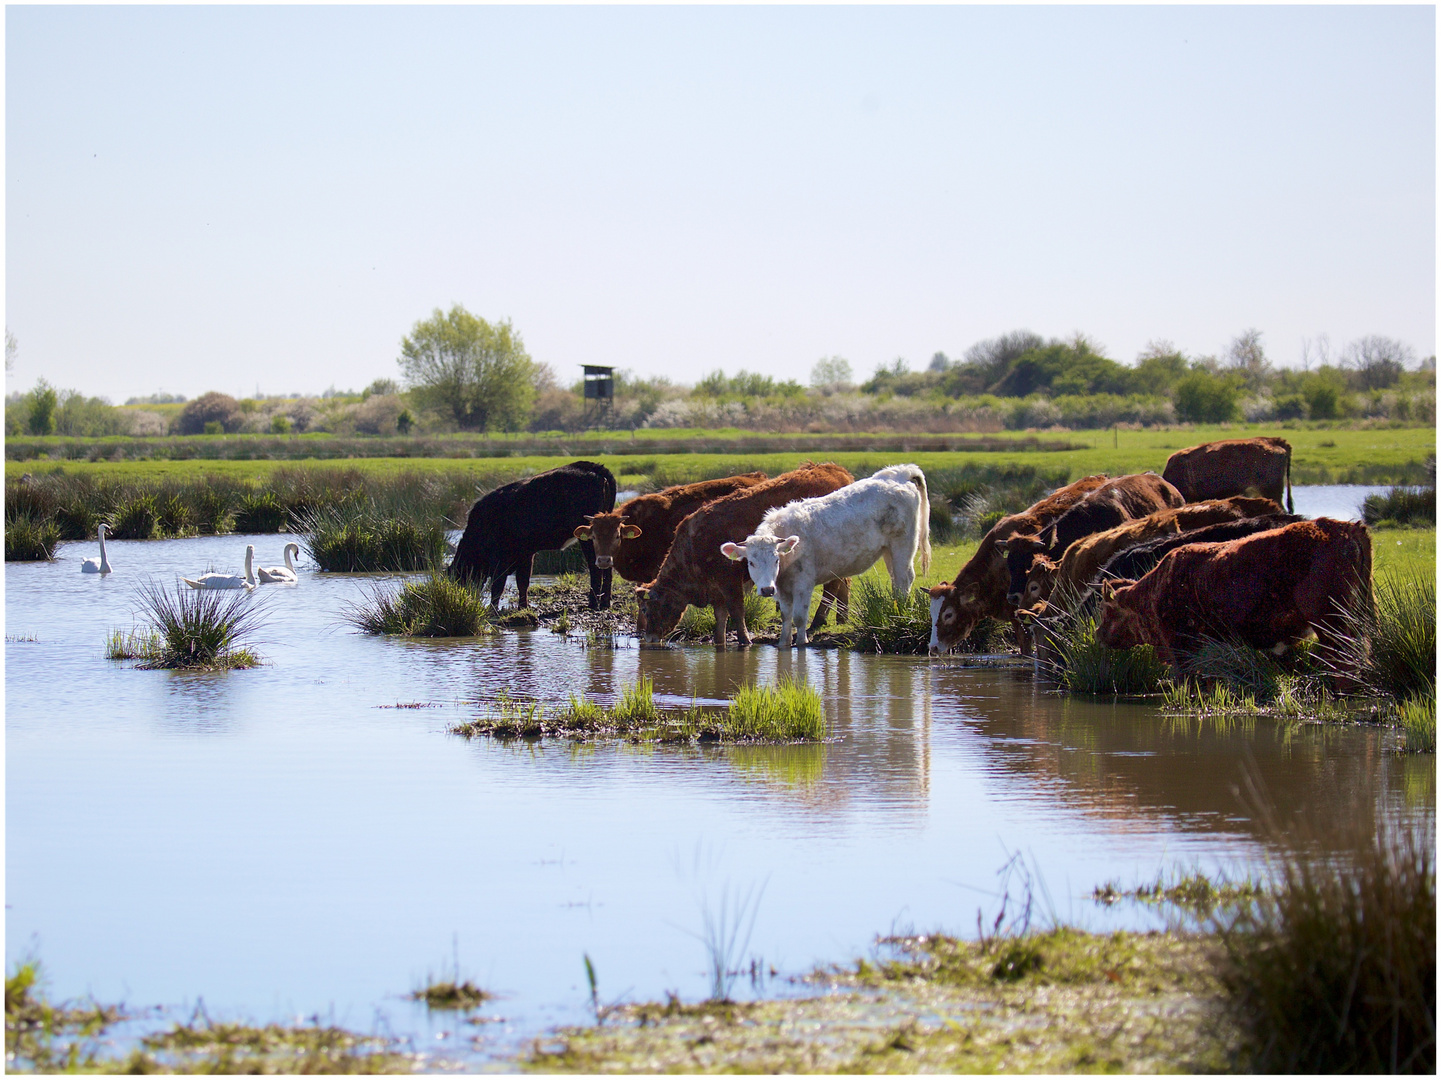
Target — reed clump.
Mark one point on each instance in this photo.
(1401, 506)
(789, 711)
(451, 995)
(365, 536)
(433, 606)
(1085, 666)
(191, 628)
(1334, 970)
(1417, 717)
(28, 540)
(884, 621)
(1392, 648)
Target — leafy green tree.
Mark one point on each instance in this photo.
(1158, 369)
(477, 371)
(831, 373)
(43, 403)
(1206, 398)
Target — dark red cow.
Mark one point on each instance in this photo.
(695, 571)
(1216, 470)
(1268, 591)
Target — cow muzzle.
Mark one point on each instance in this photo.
(602, 562)
(935, 650)
(768, 590)
(1014, 599)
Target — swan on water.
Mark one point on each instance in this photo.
(227, 581)
(284, 575)
(102, 564)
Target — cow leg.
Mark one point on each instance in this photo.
(497, 586)
(722, 617)
(522, 579)
(802, 589)
(599, 598)
(738, 612)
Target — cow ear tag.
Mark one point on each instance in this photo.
(734, 552)
(629, 532)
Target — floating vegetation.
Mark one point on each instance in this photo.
(49, 1038)
(433, 606)
(190, 628)
(28, 540)
(782, 714)
(1194, 892)
(448, 994)
(1335, 970)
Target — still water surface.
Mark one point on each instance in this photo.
(285, 842)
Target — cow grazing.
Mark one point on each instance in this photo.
(540, 513)
(1139, 560)
(1083, 559)
(695, 571)
(634, 538)
(1126, 498)
(1215, 470)
(1268, 591)
(802, 544)
(979, 589)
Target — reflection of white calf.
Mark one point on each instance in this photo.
(811, 541)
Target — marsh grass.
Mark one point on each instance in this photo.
(569, 560)
(726, 933)
(1417, 717)
(433, 606)
(1393, 648)
(453, 994)
(28, 540)
(191, 628)
(1401, 506)
(884, 622)
(136, 518)
(698, 623)
(789, 711)
(1194, 892)
(784, 714)
(1334, 970)
(49, 1038)
(1085, 666)
(363, 536)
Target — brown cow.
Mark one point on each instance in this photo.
(635, 537)
(695, 571)
(1083, 559)
(1214, 470)
(1126, 498)
(979, 589)
(1269, 590)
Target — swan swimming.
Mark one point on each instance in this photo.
(227, 581)
(102, 564)
(283, 575)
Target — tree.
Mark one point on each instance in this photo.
(211, 408)
(477, 371)
(1378, 361)
(43, 402)
(12, 349)
(1205, 398)
(1246, 355)
(831, 373)
(939, 362)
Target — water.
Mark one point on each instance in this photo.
(285, 842)
(1341, 501)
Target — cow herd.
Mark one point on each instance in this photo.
(1206, 549)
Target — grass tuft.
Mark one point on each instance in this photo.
(1335, 970)
(885, 622)
(190, 628)
(434, 606)
(1401, 506)
(1088, 667)
(1418, 724)
(789, 711)
(1394, 649)
(636, 706)
(447, 994)
(28, 540)
(363, 536)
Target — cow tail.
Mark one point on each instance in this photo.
(919, 479)
(1290, 502)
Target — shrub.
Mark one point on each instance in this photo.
(1334, 971)
(192, 628)
(434, 606)
(1203, 398)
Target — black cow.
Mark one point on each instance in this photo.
(1138, 561)
(1116, 501)
(541, 513)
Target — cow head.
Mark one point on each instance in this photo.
(658, 611)
(762, 555)
(1119, 624)
(954, 614)
(606, 531)
(1020, 552)
(1040, 580)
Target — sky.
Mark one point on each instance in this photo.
(267, 199)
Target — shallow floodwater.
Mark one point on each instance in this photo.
(287, 842)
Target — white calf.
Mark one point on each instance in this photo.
(811, 541)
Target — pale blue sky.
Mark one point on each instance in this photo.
(223, 198)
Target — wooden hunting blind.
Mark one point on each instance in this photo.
(599, 392)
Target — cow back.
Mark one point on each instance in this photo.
(659, 515)
(1216, 470)
(1137, 561)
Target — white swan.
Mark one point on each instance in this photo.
(102, 564)
(227, 581)
(283, 575)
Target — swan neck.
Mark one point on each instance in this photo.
(249, 559)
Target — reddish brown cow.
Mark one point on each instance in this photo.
(635, 537)
(1215, 470)
(1084, 559)
(1269, 591)
(1126, 498)
(979, 589)
(695, 571)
